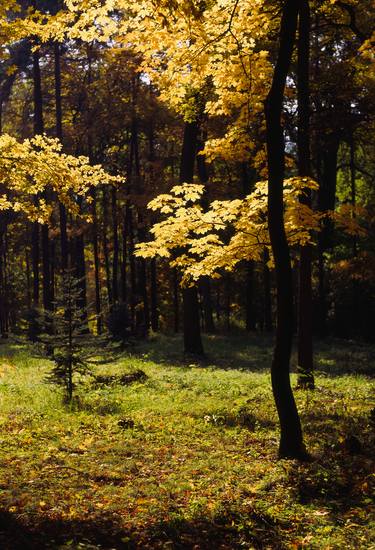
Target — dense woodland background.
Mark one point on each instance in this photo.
(186, 104)
(93, 97)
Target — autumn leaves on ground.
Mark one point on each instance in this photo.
(155, 452)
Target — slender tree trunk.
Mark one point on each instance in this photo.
(192, 333)
(208, 317)
(353, 188)
(154, 297)
(115, 246)
(305, 310)
(268, 326)
(176, 304)
(105, 249)
(205, 282)
(250, 309)
(59, 134)
(98, 304)
(124, 267)
(326, 201)
(291, 441)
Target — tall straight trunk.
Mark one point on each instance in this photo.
(305, 309)
(98, 304)
(205, 282)
(291, 440)
(59, 134)
(132, 269)
(176, 302)
(115, 246)
(192, 333)
(39, 129)
(154, 296)
(28, 279)
(248, 178)
(124, 259)
(105, 249)
(154, 311)
(250, 309)
(268, 326)
(208, 317)
(327, 171)
(80, 266)
(353, 188)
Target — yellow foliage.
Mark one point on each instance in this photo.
(205, 242)
(30, 168)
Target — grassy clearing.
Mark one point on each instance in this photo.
(186, 457)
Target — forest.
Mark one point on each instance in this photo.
(187, 274)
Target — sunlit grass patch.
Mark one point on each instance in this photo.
(185, 455)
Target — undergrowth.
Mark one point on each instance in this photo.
(183, 455)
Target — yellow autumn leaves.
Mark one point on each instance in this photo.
(204, 242)
(36, 168)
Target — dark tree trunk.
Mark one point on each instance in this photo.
(115, 246)
(227, 307)
(291, 440)
(176, 303)
(305, 310)
(268, 326)
(105, 249)
(353, 188)
(35, 262)
(208, 318)
(132, 269)
(81, 270)
(192, 333)
(124, 259)
(38, 129)
(205, 282)
(154, 297)
(250, 309)
(326, 201)
(59, 134)
(154, 315)
(98, 301)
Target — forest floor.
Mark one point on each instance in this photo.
(185, 457)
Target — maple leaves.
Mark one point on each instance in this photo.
(29, 168)
(203, 242)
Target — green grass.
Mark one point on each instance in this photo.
(186, 458)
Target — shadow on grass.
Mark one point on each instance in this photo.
(239, 351)
(227, 531)
(254, 351)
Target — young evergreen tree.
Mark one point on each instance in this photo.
(67, 343)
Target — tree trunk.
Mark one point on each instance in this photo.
(115, 246)
(268, 327)
(105, 249)
(326, 201)
(154, 297)
(291, 440)
(192, 333)
(59, 134)
(353, 188)
(250, 309)
(176, 303)
(305, 310)
(98, 301)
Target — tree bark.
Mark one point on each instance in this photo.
(291, 440)
(59, 134)
(115, 246)
(192, 333)
(305, 310)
